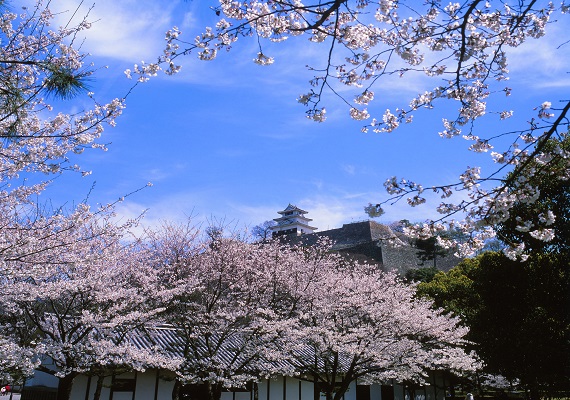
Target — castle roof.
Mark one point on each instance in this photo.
(290, 209)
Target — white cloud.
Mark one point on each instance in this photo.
(202, 206)
(254, 215)
(127, 30)
(173, 209)
(543, 62)
(561, 83)
(330, 212)
(349, 169)
(157, 174)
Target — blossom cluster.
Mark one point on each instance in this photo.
(269, 303)
(40, 64)
(274, 303)
(54, 263)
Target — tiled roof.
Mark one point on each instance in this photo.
(170, 340)
(292, 207)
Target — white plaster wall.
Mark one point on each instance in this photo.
(293, 389)
(235, 396)
(262, 390)
(146, 382)
(105, 391)
(398, 392)
(165, 389)
(307, 390)
(145, 389)
(122, 395)
(79, 387)
(375, 392)
(276, 389)
(241, 395)
(350, 394)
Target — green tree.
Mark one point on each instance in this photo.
(517, 314)
(453, 290)
(429, 250)
(423, 274)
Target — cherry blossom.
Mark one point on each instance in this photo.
(225, 299)
(16, 362)
(76, 306)
(39, 64)
(355, 322)
(248, 311)
(53, 263)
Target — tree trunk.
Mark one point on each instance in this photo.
(176, 390)
(328, 390)
(341, 389)
(64, 386)
(214, 391)
(98, 388)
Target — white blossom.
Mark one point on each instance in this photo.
(359, 115)
(262, 59)
(546, 235)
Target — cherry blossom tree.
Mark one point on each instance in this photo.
(462, 47)
(51, 261)
(51, 268)
(247, 311)
(80, 308)
(221, 294)
(360, 323)
(41, 66)
(16, 362)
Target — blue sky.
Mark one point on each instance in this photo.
(227, 140)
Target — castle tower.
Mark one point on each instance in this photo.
(292, 222)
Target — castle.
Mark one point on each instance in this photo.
(366, 241)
